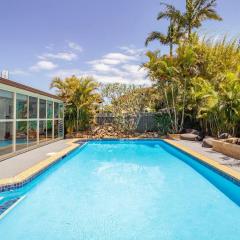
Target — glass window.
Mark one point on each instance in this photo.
(56, 128)
(6, 141)
(49, 109)
(49, 129)
(56, 110)
(42, 108)
(60, 129)
(21, 135)
(61, 110)
(21, 106)
(42, 130)
(32, 133)
(6, 105)
(33, 107)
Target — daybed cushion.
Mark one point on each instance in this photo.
(189, 136)
(207, 142)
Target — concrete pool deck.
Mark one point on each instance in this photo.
(18, 170)
(208, 152)
(202, 155)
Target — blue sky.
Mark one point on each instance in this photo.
(47, 38)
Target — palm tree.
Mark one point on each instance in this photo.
(174, 32)
(196, 12)
(85, 96)
(80, 97)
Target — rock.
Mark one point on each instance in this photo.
(224, 136)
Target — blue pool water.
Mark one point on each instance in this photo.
(4, 143)
(125, 190)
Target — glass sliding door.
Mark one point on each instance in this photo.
(42, 109)
(56, 110)
(21, 134)
(49, 109)
(6, 105)
(37, 119)
(32, 133)
(33, 107)
(49, 130)
(42, 130)
(21, 106)
(6, 137)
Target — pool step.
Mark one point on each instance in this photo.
(5, 206)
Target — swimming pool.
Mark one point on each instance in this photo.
(125, 190)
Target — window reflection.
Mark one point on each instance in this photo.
(33, 107)
(56, 128)
(42, 130)
(49, 109)
(56, 110)
(21, 106)
(21, 135)
(32, 133)
(6, 105)
(42, 108)
(61, 110)
(6, 141)
(49, 129)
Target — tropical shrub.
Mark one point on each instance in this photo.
(81, 100)
(201, 81)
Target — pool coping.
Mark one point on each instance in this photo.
(231, 174)
(31, 173)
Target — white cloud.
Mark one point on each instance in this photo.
(101, 67)
(66, 56)
(120, 57)
(121, 67)
(114, 58)
(75, 46)
(43, 65)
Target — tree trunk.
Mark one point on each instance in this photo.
(189, 34)
(171, 49)
(168, 109)
(174, 109)
(184, 102)
(77, 119)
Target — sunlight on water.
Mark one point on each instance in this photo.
(123, 191)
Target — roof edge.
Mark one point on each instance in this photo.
(27, 88)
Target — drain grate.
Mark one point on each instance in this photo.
(6, 205)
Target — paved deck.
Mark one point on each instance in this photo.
(17, 164)
(208, 152)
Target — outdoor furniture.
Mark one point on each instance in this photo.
(207, 142)
(189, 137)
(229, 149)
